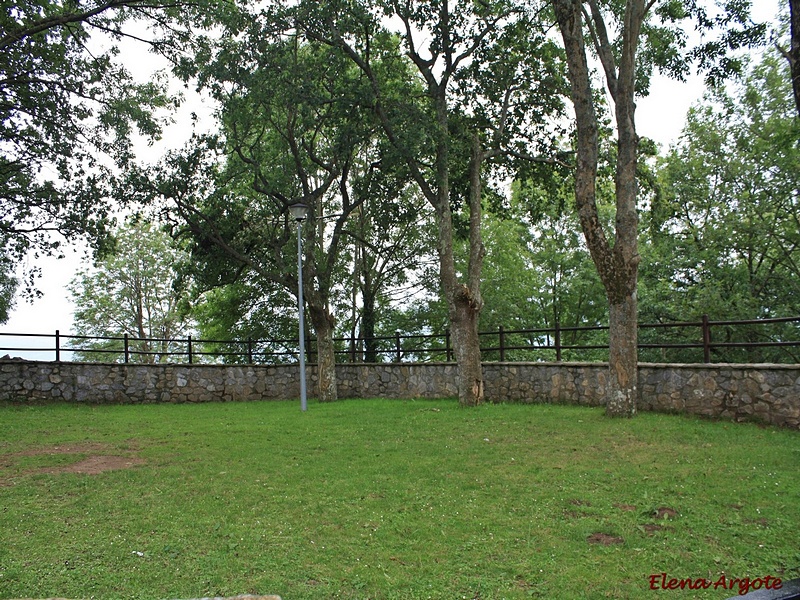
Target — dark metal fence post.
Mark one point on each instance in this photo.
(189, 344)
(58, 346)
(250, 351)
(397, 347)
(706, 340)
(127, 348)
(448, 350)
(502, 333)
(558, 341)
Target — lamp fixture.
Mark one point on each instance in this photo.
(299, 211)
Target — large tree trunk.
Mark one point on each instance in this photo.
(463, 311)
(368, 319)
(323, 323)
(622, 283)
(468, 300)
(622, 393)
(464, 302)
(794, 50)
(466, 347)
(617, 263)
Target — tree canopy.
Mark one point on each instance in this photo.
(447, 188)
(135, 289)
(68, 109)
(726, 237)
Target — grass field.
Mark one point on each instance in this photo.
(389, 499)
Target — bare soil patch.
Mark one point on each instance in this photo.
(96, 464)
(74, 448)
(604, 539)
(664, 512)
(101, 458)
(575, 514)
(651, 528)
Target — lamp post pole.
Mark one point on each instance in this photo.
(299, 212)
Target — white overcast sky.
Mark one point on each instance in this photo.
(660, 117)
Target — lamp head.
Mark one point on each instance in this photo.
(299, 211)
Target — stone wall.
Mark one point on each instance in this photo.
(129, 383)
(767, 393)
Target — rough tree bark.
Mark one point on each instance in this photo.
(794, 50)
(324, 325)
(464, 301)
(617, 263)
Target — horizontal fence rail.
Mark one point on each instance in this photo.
(757, 340)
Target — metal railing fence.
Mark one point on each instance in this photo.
(706, 341)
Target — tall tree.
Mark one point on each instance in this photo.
(617, 263)
(443, 41)
(137, 290)
(292, 131)
(628, 46)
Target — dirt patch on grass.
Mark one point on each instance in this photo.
(575, 514)
(604, 539)
(101, 458)
(73, 448)
(93, 465)
(652, 529)
(243, 597)
(665, 512)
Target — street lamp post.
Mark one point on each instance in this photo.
(299, 212)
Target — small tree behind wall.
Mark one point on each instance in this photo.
(136, 290)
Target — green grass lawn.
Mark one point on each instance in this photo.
(388, 499)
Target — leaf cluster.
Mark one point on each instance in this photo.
(68, 112)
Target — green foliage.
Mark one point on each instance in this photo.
(301, 119)
(728, 31)
(8, 287)
(249, 309)
(722, 56)
(296, 125)
(726, 241)
(65, 112)
(720, 237)
(562, 284)
(136, 289)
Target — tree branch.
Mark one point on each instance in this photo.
(597, 27)
(60, 20)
